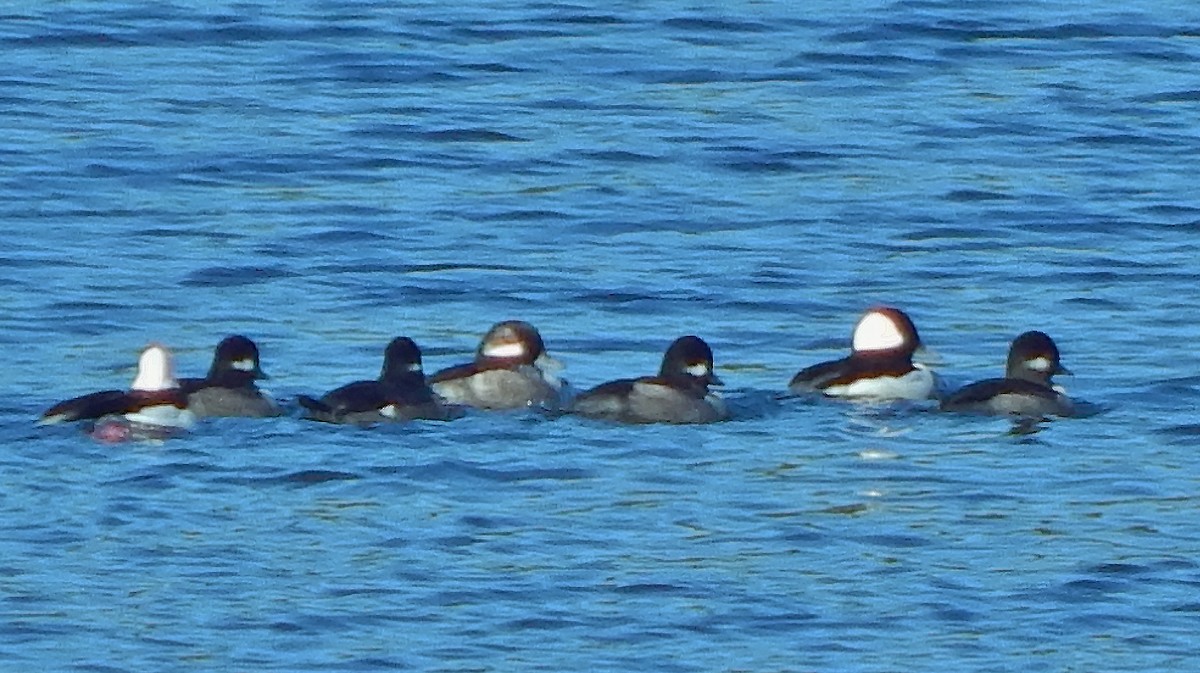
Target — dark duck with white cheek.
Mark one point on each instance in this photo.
(1025, 390)
(399, 394)
(678, 394)
(229, 388)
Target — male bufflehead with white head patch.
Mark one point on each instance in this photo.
(879, 366)
(154, 400)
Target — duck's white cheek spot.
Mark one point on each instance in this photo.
(414, 367)
(389, 411)
(505, 350)
(699, 369)
(1039, 364)
(877, 332)
(245, 365)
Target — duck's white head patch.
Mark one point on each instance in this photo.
(155, 371)
(877, 332)
(700, 369)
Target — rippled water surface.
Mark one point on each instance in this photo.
(325, 176)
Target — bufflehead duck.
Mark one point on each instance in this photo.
(400, 393)
(879, 366)
(1026, 389)
(679, 394)
(511, 370)
(154, 399)
(228, 389)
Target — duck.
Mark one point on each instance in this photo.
(399, 394)
(511, 370)
(1027, 388)
(154, 401)
(679, 393)
(880, 366)
(229, 388)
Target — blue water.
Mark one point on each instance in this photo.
(327, 175)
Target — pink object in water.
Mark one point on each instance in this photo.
(111, 432)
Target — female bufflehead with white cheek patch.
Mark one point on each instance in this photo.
(153, 405)
(1025, 390)
(400, 393)
(229, 389)
(879, 366)
(679, 394)
(511, 371)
